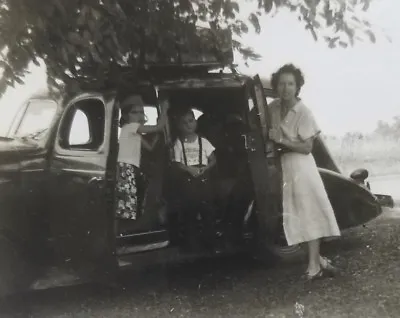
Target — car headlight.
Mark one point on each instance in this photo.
(360, 176)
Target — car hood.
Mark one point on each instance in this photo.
(15, 149)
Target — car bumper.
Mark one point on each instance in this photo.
(385, 200)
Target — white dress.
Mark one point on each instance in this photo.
(307, 211)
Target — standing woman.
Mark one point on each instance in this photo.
(307, 213)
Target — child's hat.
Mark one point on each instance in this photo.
(132, 100)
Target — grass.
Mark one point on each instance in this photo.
(380, 155)
(238, 287)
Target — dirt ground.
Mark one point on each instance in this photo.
(369, 286)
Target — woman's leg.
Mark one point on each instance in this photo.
(314, 265)
(141, 191)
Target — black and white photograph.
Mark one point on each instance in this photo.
(199, 158)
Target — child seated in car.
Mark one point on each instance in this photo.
(194, 157)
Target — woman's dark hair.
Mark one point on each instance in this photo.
(183, 112)
(288, 69)
(126, 105)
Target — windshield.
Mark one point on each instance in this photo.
(36, 119)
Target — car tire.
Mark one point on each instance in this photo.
(281, 253)
(13, 269)
(272, 254)
(274, 250)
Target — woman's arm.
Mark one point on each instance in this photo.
(282, 148)
(306, 131)
(162, 122)
(304, 147)
(153, 128)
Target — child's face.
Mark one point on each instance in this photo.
(137, 114)
(188, 124)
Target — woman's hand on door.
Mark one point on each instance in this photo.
(275, 135)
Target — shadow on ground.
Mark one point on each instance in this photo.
(241, 287)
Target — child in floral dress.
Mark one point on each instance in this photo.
(129, 177)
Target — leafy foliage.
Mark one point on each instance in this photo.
(82, 42)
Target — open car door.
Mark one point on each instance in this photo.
(264, 163)
(81, 187)
(149, 231)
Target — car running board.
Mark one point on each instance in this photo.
(134, 249)
(56, 277)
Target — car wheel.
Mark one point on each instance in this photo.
(275, 252)
(12, 268)
(276, 249)
(287, 253)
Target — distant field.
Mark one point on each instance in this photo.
(380, 155)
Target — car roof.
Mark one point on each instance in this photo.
(194, 79)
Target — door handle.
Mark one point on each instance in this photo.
(248, 142)
(245, 141)
(95, 180)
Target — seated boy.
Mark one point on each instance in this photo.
(194, 157)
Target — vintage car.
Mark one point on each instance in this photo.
(58, 172)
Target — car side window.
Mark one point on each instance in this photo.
(83, 126)
(150, 114)
(80, 130)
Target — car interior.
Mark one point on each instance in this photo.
(221, 119)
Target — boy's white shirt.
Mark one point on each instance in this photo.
(130, 143)
(192, 151)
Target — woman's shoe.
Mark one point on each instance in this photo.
(319, 275)
(329, 268)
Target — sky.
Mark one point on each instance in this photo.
(347, 89)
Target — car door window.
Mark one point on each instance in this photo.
(151, 114)
(269, 100)
(83, 126)
(80, 130)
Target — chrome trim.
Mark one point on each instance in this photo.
(34, 170)
(249, 212)
(141, 234)
(141, 248)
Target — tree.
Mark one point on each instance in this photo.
(85, 41)
(385, 129)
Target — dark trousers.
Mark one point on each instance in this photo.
(196, 209)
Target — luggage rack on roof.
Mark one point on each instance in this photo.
(205, 82)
